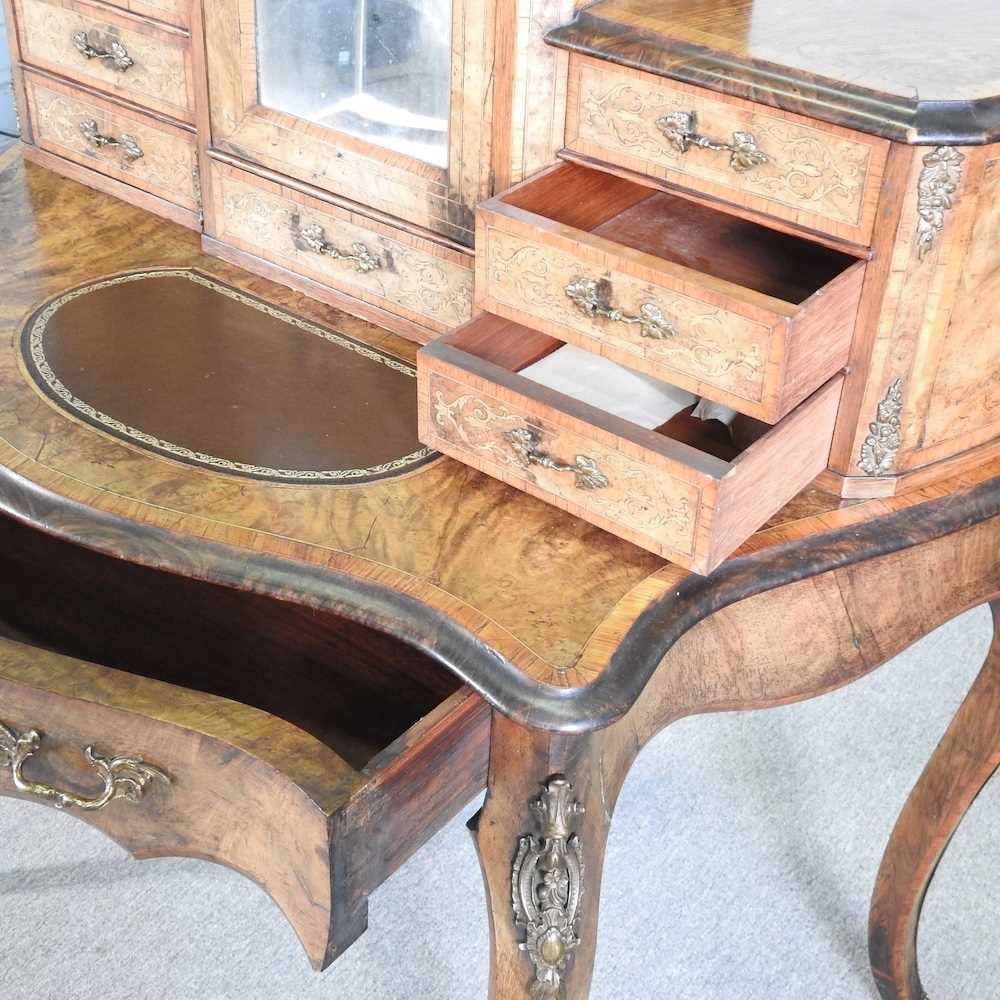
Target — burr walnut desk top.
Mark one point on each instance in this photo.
(555, 622)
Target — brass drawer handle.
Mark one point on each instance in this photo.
(525, 441)
(124, 777)
(592, 296)
(115, 54)
(128, 145)
(313, 238)
(681, 129)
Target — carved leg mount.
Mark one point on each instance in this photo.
(541, 837)
(547, 888)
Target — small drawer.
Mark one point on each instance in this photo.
(413, 277)
(308, 753)
(120, 54)
(819, 176)
(142, 151)
(673, 495)
(729, 309)
(176, 12)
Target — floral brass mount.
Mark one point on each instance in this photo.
(938, 182)
(681, 130)
(124, 777)
(878, 453)
(592, 296)
(130, 148)
(313, 239)
(547, 888)
(116, 55)
(525, 441)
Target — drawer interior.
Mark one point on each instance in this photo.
(708, 444)
(354, 689)
(680, 231)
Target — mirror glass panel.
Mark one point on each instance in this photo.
(376, 69)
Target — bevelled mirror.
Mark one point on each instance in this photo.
(379, 70)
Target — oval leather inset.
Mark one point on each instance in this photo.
(196, 370)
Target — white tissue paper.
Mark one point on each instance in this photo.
(707, 410)
(638, 398)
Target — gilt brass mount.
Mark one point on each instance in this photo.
(115, 55)
(936, 188)
(525, 441)
(592, 296)
(681, 130)
(547, 888)
(124, 777)
(313, 239)
(878, 452)
(130, 148)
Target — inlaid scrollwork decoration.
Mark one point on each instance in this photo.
(547, 884)
(124, 777)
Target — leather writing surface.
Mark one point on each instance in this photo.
(178, 363)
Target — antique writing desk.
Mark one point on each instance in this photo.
(290, 637)
(582, 645)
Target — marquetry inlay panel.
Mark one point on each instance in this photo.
(638, 496)
(159, 77)
(713, 345)
(411, 277)
(814, 174)
(169, 159)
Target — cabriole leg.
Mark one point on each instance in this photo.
(963, 762)
(541, 837)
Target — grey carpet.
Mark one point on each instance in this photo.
(739, 868)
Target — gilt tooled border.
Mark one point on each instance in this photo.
(33, 352)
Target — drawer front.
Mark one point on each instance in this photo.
(77, 126)
(820, 176)
(715, 347)
(185, 774)
(668, 497)
(415, 278)
(635, 498)
(158, 73)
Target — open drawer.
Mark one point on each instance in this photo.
(307, 753)
(673, 490)
(745, 315)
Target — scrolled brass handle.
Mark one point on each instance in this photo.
(681, 130)
(116, 55)
(130, 148)
(313, 239)
(586, 472)
(592, 296)
(124, 777)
